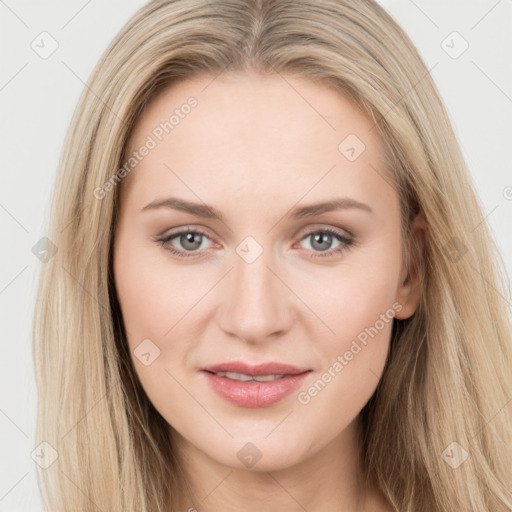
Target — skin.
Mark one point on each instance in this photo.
(255, 147)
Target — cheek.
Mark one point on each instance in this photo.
(154, 294)
(351, 296)
(157, 301)
(357, 301)
(352, 360)
(359, 312)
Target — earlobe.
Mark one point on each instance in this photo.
(411, 277)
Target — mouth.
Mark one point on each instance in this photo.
(252, 386)
(264, 369)
(242, 377)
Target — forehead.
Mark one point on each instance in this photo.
(255, 135)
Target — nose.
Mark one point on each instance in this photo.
(256, 304)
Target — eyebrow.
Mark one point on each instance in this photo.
(209, 212)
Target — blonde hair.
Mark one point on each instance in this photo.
(447, 379)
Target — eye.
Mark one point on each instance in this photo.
(190, 240)
(321, 241)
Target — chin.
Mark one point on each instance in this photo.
(260, 455)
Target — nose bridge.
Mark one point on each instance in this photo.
(256, 304)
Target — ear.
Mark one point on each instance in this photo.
(410, 284)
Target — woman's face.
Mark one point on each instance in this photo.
(257, 226)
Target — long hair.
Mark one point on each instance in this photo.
(437, 431)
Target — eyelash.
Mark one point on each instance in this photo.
(345, 244)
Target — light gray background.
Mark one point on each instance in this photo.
(37, 98)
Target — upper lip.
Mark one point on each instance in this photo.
(259, 369)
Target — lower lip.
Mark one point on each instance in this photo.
(253, 393)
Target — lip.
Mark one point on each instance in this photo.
(253, 394)
(270, 368)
